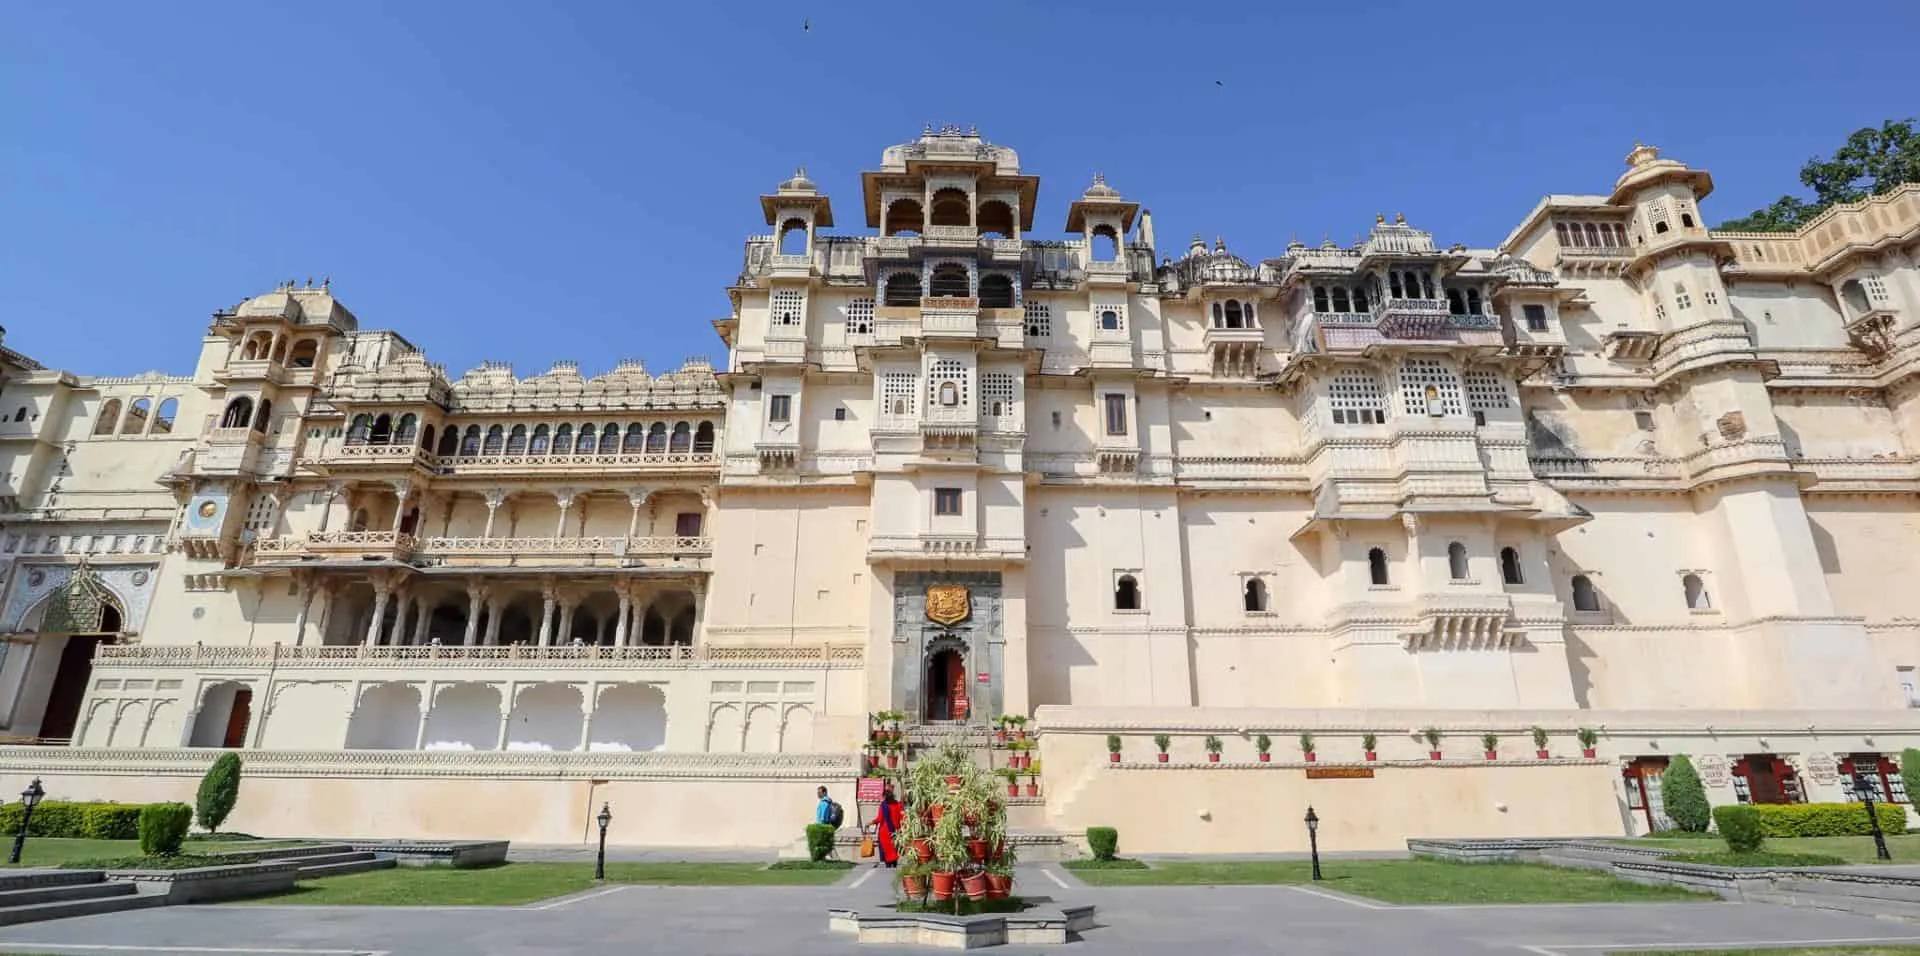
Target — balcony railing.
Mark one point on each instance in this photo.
(1403, 318)
(500, 463)
(488, 656)
(400, 545)
(402, 454)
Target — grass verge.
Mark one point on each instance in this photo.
(514, 884)
(59, 851)
(182, 861)
(1117, 863)
(1757, 859)
(1406, 881)
(1904, 847)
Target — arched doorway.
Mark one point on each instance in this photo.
(78, 617)
(946, 685)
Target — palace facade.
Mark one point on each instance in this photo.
(1620, 473)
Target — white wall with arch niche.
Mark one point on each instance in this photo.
(547, 717)
(388, 718)
(629, 717)
(464, 717)
(761, 717)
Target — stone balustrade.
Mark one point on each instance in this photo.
(485, 656)
(400, 545)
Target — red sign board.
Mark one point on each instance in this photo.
(960, 707)
(983, 677)
(870, 789)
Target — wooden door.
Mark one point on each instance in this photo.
(237, 719)
(1763, 781)
(957, 685)
(69, 688)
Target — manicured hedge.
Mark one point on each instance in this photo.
(820, 841)
(163, 827)
(1828, 819)
(1740, 827)
(1103, 841)
(60, 818)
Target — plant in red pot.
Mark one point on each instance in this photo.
(1033, 783)
(1368, 741)
(973, 882)
(1213, 749)
(1264, 744)
(1113, 748)
(1587, 739)
(1000, 878)
(1540, 743)
(1162, 741)
(1019, 722)
(913, 879)
(1012, 777)
(1490, 742)
(1306, 746)
(1432, 737)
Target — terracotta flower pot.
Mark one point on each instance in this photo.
(1033, 788)
(1013, 790)
(953, 784)
(1312, 757)
(974, 884)
(937, 811)
(1493, 755)
(913, 886)
(893, 760)
(1433, 755)
(1020, 734)
(1542, 754)
(999, 885)
(1113, 757)
(1163, 756)
(1266, 757)
(1371, 756)
(943, 886)
(872, 761)
(924, 850)
(977, 850)
(1586, 752)
(1213, 758)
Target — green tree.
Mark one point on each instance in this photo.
(1910, 771)
(1685, 796)
(219, 791)
(1870, 162)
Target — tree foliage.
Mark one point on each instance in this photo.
(1870, 162)
(1685, 796)
(219, 791)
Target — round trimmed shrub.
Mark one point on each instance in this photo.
(163, 827)
(1103, 841)
(1740, 827)
(819, 841)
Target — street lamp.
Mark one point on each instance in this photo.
(600, 862)
(1313, 839)
(1864, 786)
(29, 798)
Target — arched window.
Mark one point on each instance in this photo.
(517, 440)
(426, 438)
(496, 441)
(996, 292)
(1219, 316)
(682, 440)
(1455, 304)
(358, 428)
(1457, 561)
(280, 351)
(239, 413)
(657, 438)
(1377, 566)
(1584, 598)
(1236, 319)
(1110, 320)
(1660, 226)
(1105, 244)
(1593, 235)
(264, 415)
(995, 219)
(793, 237)
(1321, 302)
(136, 423)
(1855, 297)
(949, 394)
(610, 439)
(109, 418)
(949, 281)
(951, 208)
(1696, 592)
(470, 442)
(1340, 300)
(904, 218)
(540, 442)
(584, 445)
(1473, 302)
(382, 431)
(703, 439)
(404, 432)
(163, 421)
(1254, 597)
(902, 288)
(563, 440)
(1560, 229)
(1360, 300)
(1510, 566)
(359, 522)
(1126, 594)
(635, 441)
(449, 443)
(305, 353)
(1686, 219)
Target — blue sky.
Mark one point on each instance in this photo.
(527, 182)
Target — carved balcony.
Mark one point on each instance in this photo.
(530, 466)
(948, 318)
(405, 455)
(951, 237)
(1469, 622)
(1003, 251)
(338, 545)
(1631, 345)
(1402, 318)
(791, 267)
(252, 370)
(1235, 353)
(1872, 331)
(420, 657)
(1107, 273)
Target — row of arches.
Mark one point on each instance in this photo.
(513, 617)
(240, 413)
(304, 353)
(141, 417)
(947, 281)
(543, 717)
(951, 207)
(542, 439)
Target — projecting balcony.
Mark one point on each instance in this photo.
(1631, 345)
(784, 350)
(230, 450)
(1003, 251)
(403, 455)
(950, 317)
(1872, 331)
(1107, 273)
(421, 657)
(1235, 352)
(951, 237)
(1467, 622)
(1400, 318)
(699, 460)
(481, 552)
(894, 247)
(791, 267)
(337, 545)
(252, 370)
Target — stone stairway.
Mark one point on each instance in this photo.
(35, 895)
(327, 859)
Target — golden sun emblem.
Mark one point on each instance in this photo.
(207, 509)
(948, 604)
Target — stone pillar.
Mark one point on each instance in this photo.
(422, 616)
(475, 594)
(626, 613)
(506, 714)
(329, 496)
(402, 491)
(636, 498)
(394, 637)
(495, 498)
(304, 586)
(566, 621)
(564, 498)
(547, 601)
(589, 702)
(381, 592)
(494, 607)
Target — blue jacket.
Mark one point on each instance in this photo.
(825, 812)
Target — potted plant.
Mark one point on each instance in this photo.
(913, 879)
(1033, 783)
(1587, 738)
(1019, 722)
(1432, 737)
(1540, 743)
(1000, 878)
(1306, 746)
(1264, 744)
(1213, 749)
(1012, 777)
(1000, 729)
(950, 854)
(1162, 741)
(876, 729)
(1016, 753)
(1367, 742)
(1490, 742)
(893, 754)
(1113, 748)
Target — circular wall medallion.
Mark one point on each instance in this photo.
(140, 578)
(199, 613)
(208, 509)
(36, 577)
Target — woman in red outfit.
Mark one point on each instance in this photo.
(886, 824)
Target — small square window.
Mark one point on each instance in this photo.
(1536, 317)
(779, 408)
(840, 414)
(946, 501)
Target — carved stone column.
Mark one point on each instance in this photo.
(636, 497)
(566, 619)
(493, 621)
(476, 593)
(626, 614)
(548, 598)
(564, 498)
(422, 616)
(400, 617)
(303, 591)
(332, 494)
(495, 498)
(402, 491)
(382, 590)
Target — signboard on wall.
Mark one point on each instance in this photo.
(982, 677)
(1339, 773)
(869, 789)
(961, 707)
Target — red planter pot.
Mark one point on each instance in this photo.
(1542, 754)
(1371, 756)
(999, 886)
(1433, 755)
(977, 850)
(1266, 758)
(974, 885)
(924, 850)
(913, 886)
(1013, 790)
(936, 812)
(872, 762)
(1000, 735)
(1163, 758)
(893, 760)
(1311, 756)
(1113, 757)
(1493, 755)
(1033, 789)
(1213, 758)
(1020, 735)
(1586, 752)
(943, 886)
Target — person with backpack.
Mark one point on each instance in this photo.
(829, 811)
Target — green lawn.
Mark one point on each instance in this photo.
(1760, 858)
(1827, 951)
(1405, 881)
(1853, 849)
(52, 851)
(516, 883)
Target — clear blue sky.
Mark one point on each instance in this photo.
(533, 181)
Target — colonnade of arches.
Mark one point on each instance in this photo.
(509, 613)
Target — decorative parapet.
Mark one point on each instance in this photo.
(487, 764)
(848, 656)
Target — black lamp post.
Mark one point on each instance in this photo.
(600, 861)
(1313, 840)
(29, 798)
(1864, 785)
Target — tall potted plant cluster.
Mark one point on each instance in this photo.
(955, 830)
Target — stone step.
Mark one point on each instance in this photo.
(36, 912)
(326, 859)
(344, 867)
(25, 879)
(296, 852)
(62, 892)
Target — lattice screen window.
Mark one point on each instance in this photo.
(1039, 319)
(1485, 391)
(947, 383)
(789, 306)
(1357, 399)
(1428, 387)
(859, 316)
(996, 395)
(1876, 288)
(896, 394)
(260, 515)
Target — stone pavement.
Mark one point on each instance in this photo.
(792, 922)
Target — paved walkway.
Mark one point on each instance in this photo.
(792, 922)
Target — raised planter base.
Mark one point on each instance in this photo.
(211, 884)
(463, 854)
(1041, 926)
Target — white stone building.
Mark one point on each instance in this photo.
(1619, 473)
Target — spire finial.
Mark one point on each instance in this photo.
(1400, 218)
(1099, 179)
(1379, 219)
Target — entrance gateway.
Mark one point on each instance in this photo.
(948, 646)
